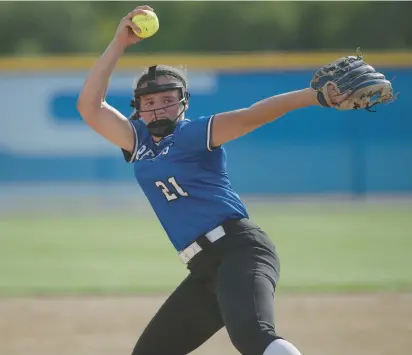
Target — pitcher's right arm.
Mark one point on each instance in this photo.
(91, 104)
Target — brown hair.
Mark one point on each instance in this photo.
(163, 70)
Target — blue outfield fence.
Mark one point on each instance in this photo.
(312, 150)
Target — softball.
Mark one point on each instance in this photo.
(148, 24)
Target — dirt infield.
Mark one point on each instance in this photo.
(366, 324)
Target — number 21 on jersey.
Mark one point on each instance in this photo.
(170, 196)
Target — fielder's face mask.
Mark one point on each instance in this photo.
(160, 127)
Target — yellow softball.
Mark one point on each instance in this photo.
(148, 24)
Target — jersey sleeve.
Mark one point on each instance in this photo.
(196, 135)
(130, 157)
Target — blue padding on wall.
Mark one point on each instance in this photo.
(308, 151)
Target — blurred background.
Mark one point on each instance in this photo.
(333, 189)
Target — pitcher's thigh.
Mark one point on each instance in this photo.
(186, 320)
(245, 291)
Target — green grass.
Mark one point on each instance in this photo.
(321, 247)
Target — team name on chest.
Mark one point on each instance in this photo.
(147, 153)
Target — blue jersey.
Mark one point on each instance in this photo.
(185, 180)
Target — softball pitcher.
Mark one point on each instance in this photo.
(180, 165)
